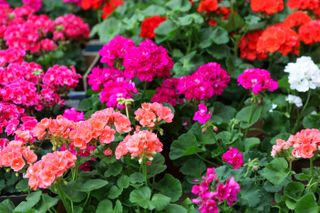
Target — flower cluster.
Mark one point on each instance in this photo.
(44, 172)
(149, 24)
(99, 127)
(147, 62)
(167, 92)
(202, 115)
(207, 81)
(15, 155)
(126, 61)
(23, 30)
(24, 84)
(107, 8)
(142, 144)
(310, 32)
(279, 38)
(69, 27)
(208, 199)
(257, 80)
(151, 114)
(296, 100)
(269, 7)
(304, 144)
(233, 157)
(296, 19)
(304, 74)
(73, 115)
(248, 46)
(61, 76)
(303, 4)
(208, 6)
(34, 4)
(115, 50)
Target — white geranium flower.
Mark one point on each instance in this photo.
(303, 75)
(273, 107)
(296, 100)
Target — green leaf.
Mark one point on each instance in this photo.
(107, 29)
(190, 19)
(235, 22)
(6, 206)
(159, 202)
(170, 187)
(22, 185)
(193, 167)
(114, 192)
(104, 205)
(47, 202)
(123, 181)
(136, 178)
(250, 143)
(71, 190)
(93, 184)
(185, 145)
(118, 207)
(294, 190)
(141, 197)
(276, 171)
(114, 169)
(249, 115)
(179, 5)
(250, 194)
(158, 165)
(165, 31)
(153, 9)
(85, 105)
(219, 35)
(31, 201)
(174, 208)
(311, 121)
(307, 204)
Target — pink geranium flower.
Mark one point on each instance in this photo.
(233, 157)
(202, 115)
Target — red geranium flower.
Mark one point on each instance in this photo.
(149, 25)
(268, 6)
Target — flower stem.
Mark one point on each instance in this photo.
(295, 128)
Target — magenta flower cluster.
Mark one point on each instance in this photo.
(115, 51)
(167, 92)
(34, 4)
(257, 80)
(233, 157)
(125, 62)
(73, 115)
(147, 61)
(202, 115)
(112, 84)
(24, 31)
(26, 86)
(211, 192)
(208, 80)
(61, 76)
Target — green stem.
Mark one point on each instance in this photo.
(205, 160)
(64, 199)
(250, 118)
(311, 167)
(145, 172)
(87, 199)
(127, 110)
(295, 128)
